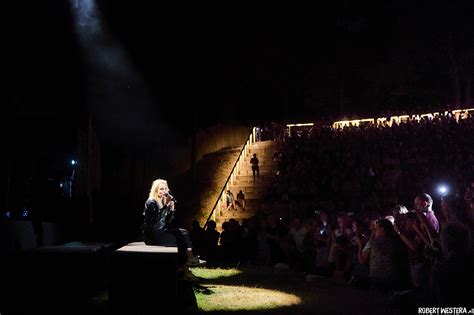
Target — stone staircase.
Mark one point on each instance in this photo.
(254, 191)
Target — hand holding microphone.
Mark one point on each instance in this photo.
(170, 197)
(170, 201)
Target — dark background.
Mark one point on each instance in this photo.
(199, 64)
(266, 61)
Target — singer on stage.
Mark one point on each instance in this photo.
(158, 214)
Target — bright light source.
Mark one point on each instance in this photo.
(73, 162)
(443, 190)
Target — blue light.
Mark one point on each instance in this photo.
(24, 214)
(443, 190)
(7, 214)
(73, 162)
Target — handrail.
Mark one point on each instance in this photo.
(250, 140)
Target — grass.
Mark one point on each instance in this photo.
(262, 290)
(215, 295)
(232, 298)
(214, 273)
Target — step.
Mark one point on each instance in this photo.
(260, 154)
(266, 167)
(269, 143)
(249, 178)
(262, 171)
(261, 162)
(255, 194)
(251, 203)
(246, 189)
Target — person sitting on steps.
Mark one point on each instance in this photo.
(230, 200)
(241, 200)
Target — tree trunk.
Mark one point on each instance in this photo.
(456, 80)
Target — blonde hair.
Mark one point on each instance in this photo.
(154, 190)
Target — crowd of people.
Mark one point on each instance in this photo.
(370, 167)
(363, 210)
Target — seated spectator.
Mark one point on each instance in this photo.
(241, 200)
(230, 200)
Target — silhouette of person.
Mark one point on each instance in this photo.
(255, 168)
(241, 199)
(230, 200)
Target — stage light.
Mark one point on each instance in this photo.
(73, 162)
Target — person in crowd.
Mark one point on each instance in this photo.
(452, 275)
(296, 234)
(469, 191)
(342, 259)
(241, 200)
(255, 168)
(197, 235)
(230, 200)
(343, 228)
(360, 272)
(381, 253)
(398, 212)
(211, 242)
(276, 232)
(409, 231)
(423, 205)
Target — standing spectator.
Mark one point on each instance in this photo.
(211, 241)
(197, 235)
(255, 168)
(451, 275)
(381, 254)
(423, 204)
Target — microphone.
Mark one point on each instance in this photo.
(171, 197)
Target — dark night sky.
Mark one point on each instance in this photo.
(237, 61)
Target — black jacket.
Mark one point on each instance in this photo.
(155, 218)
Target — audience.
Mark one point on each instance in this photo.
(359, 180)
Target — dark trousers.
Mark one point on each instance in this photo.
(171, 237)
(255, 170)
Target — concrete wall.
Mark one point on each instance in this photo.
(210, 140)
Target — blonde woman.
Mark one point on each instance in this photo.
(158, 213)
